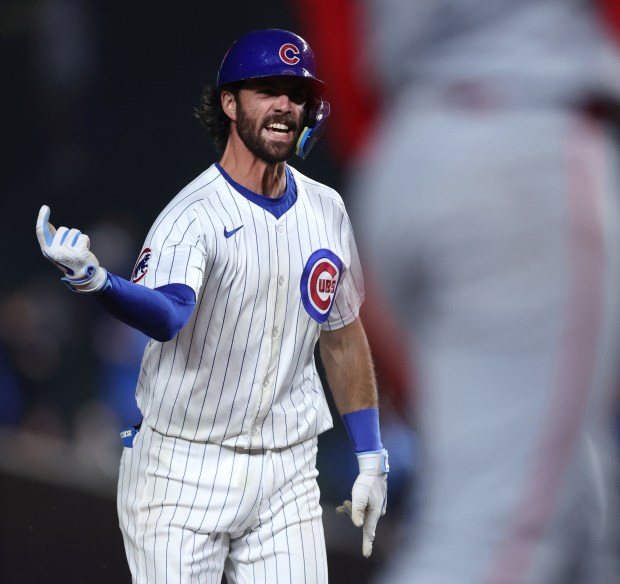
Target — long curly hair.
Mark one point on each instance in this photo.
(212, 117)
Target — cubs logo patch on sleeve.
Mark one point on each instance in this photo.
(319, 282)
(142, 265)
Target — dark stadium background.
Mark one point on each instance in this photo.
(96, 121)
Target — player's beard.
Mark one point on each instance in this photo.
(249, 130)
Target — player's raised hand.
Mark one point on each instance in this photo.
(69, 251)
(368, 497)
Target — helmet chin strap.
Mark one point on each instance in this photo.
(314, 130)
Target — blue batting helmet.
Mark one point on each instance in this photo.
(273, 52)
(266, 53)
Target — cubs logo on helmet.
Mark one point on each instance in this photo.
(142, 265)
(319, 282)
(288, 53)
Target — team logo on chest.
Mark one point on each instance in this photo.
(142, 265)
(319, 282)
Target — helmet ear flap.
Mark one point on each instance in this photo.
(314, 127)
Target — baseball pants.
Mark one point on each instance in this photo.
(190, 512)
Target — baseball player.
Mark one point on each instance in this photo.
(492, 183)
(239, 276)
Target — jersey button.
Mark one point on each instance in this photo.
(280, 228)
(265, 382)
(275, 331)
(281, 280)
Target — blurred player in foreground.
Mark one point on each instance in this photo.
(488, 201)
(240, 275)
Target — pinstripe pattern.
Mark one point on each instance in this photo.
(253, 514)
(222, 476)
(241, 372)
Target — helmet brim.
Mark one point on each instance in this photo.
(316, 86)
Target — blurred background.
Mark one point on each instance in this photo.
(97, 123)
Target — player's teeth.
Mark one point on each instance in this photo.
(279, 127)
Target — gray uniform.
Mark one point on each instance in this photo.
(488, 204)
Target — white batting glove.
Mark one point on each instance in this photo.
(68, 250)
(369, 496)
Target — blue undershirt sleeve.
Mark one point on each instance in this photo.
(159, 313)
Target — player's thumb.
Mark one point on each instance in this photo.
(45, 231)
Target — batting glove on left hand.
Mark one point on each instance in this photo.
(68, 250)
(369, 496)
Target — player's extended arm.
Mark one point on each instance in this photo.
(348, 366)
(159, 313)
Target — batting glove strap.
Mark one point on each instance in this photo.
(373, 463)
(95, 283)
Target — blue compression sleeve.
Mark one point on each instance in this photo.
(363, 429)
(159, 313)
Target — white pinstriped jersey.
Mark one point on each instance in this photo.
(242, 371)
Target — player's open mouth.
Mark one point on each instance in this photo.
(278, 129)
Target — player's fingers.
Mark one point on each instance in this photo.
(344, 509)
(60, 237)
(83, 242)
(358, 512)
(368, 533)
(45, 231)
(366, 546)
(370, 523)
(71, 238)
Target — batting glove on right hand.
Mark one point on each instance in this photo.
(369, 496)
(68, 250)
